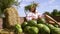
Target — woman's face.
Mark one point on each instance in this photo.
(32, 9)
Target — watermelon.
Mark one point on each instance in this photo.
(24, 24)
(45, 30)
(55, 31)
(40, 25)
(33, 30)
(26, 29)
(42, 20)
(32, 22)
(50, 26)
(18, 28)
(56, 25)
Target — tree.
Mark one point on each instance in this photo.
(55, 12)
(47, 13)
(59, 13)
(7, 3)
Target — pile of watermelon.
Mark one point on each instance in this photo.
(39, 27)
(18, 29)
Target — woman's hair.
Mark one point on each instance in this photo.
(32, 7)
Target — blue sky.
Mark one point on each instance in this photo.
(44, 5)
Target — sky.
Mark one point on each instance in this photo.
(43, 5)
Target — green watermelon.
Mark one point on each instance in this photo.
(26, 29)
(55, 31)
(50, 26)
(32, 22)
(33, 30)
(56, 26)
(45, 30)
(18, 28)
(24, 24)
(40, 25)
(42, 20)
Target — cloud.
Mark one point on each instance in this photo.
(51, 1)
(54, 6)
(28, 0)
(19, 0)
(23, 5)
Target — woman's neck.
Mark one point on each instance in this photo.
(34, 12)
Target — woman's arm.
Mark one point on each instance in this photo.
(30, 17)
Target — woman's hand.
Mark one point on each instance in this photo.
(39, 17)
(33, 18)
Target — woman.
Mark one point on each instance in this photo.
(33, 14)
